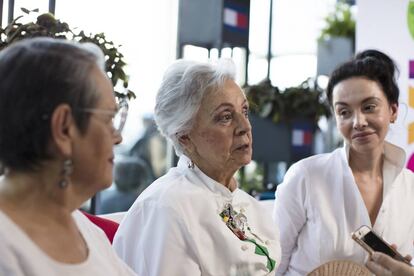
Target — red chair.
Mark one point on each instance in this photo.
(108, 226)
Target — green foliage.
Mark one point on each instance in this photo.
(251, 180)
(47, 25)
(339, 23)
(306, 101)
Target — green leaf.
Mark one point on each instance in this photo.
(47, 25)
(270, 264)
(261, 250)
(340, 22)
(26, 11)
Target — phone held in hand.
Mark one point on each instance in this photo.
(371, 242)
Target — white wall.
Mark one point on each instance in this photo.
(383, 25)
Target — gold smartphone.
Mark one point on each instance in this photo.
(371, 242)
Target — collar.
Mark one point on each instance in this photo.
(393, 154)
(198, 177)
(394, 161)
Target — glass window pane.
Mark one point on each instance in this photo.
(297, 24)
(239, 58)
(195, 53)
(226, 52)
(287, 71)
(259, 26)
(214, 54)
(42, 5)
(257, 69)
(147, 32)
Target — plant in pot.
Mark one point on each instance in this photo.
(278, 118)
(47, 25)
(337, 38)
(305, 102)
(339, 23)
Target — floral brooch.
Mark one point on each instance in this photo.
(237, 223)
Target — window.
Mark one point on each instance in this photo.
(295, 28)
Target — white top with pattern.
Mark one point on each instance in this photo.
(175, 228)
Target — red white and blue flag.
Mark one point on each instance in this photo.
(302, 140)
(235, 18)
(301, 137)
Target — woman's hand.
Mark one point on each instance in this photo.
(383, 265)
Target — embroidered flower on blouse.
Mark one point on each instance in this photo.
(237, 223)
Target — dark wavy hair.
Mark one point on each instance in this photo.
(36, 75)
(373, 65)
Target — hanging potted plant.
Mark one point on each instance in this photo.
(281, 118)
(306, 101)
(47, 25)
(336, 42)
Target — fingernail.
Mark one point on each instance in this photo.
(375, 256)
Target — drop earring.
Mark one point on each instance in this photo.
(66, 171)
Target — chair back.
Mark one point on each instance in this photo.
(108, 226)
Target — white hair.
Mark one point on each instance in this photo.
(95, 50)
(182, 90)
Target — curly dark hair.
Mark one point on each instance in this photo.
(373, 65)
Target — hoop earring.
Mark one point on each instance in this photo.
(66, 171)
(191, 164)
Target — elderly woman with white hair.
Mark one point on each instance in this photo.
(195, 220)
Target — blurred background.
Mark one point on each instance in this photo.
(284, 51)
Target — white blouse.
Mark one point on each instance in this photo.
(20, 256)
(318, 205)
(175, 228)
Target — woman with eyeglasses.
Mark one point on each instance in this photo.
(57, 132)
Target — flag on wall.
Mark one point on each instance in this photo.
(301, 137)
(235, 22)
(234, 18)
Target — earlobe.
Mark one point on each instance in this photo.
(185, 143)
(61, 125)
(184, 140)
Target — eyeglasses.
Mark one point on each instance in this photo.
(118, 117)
